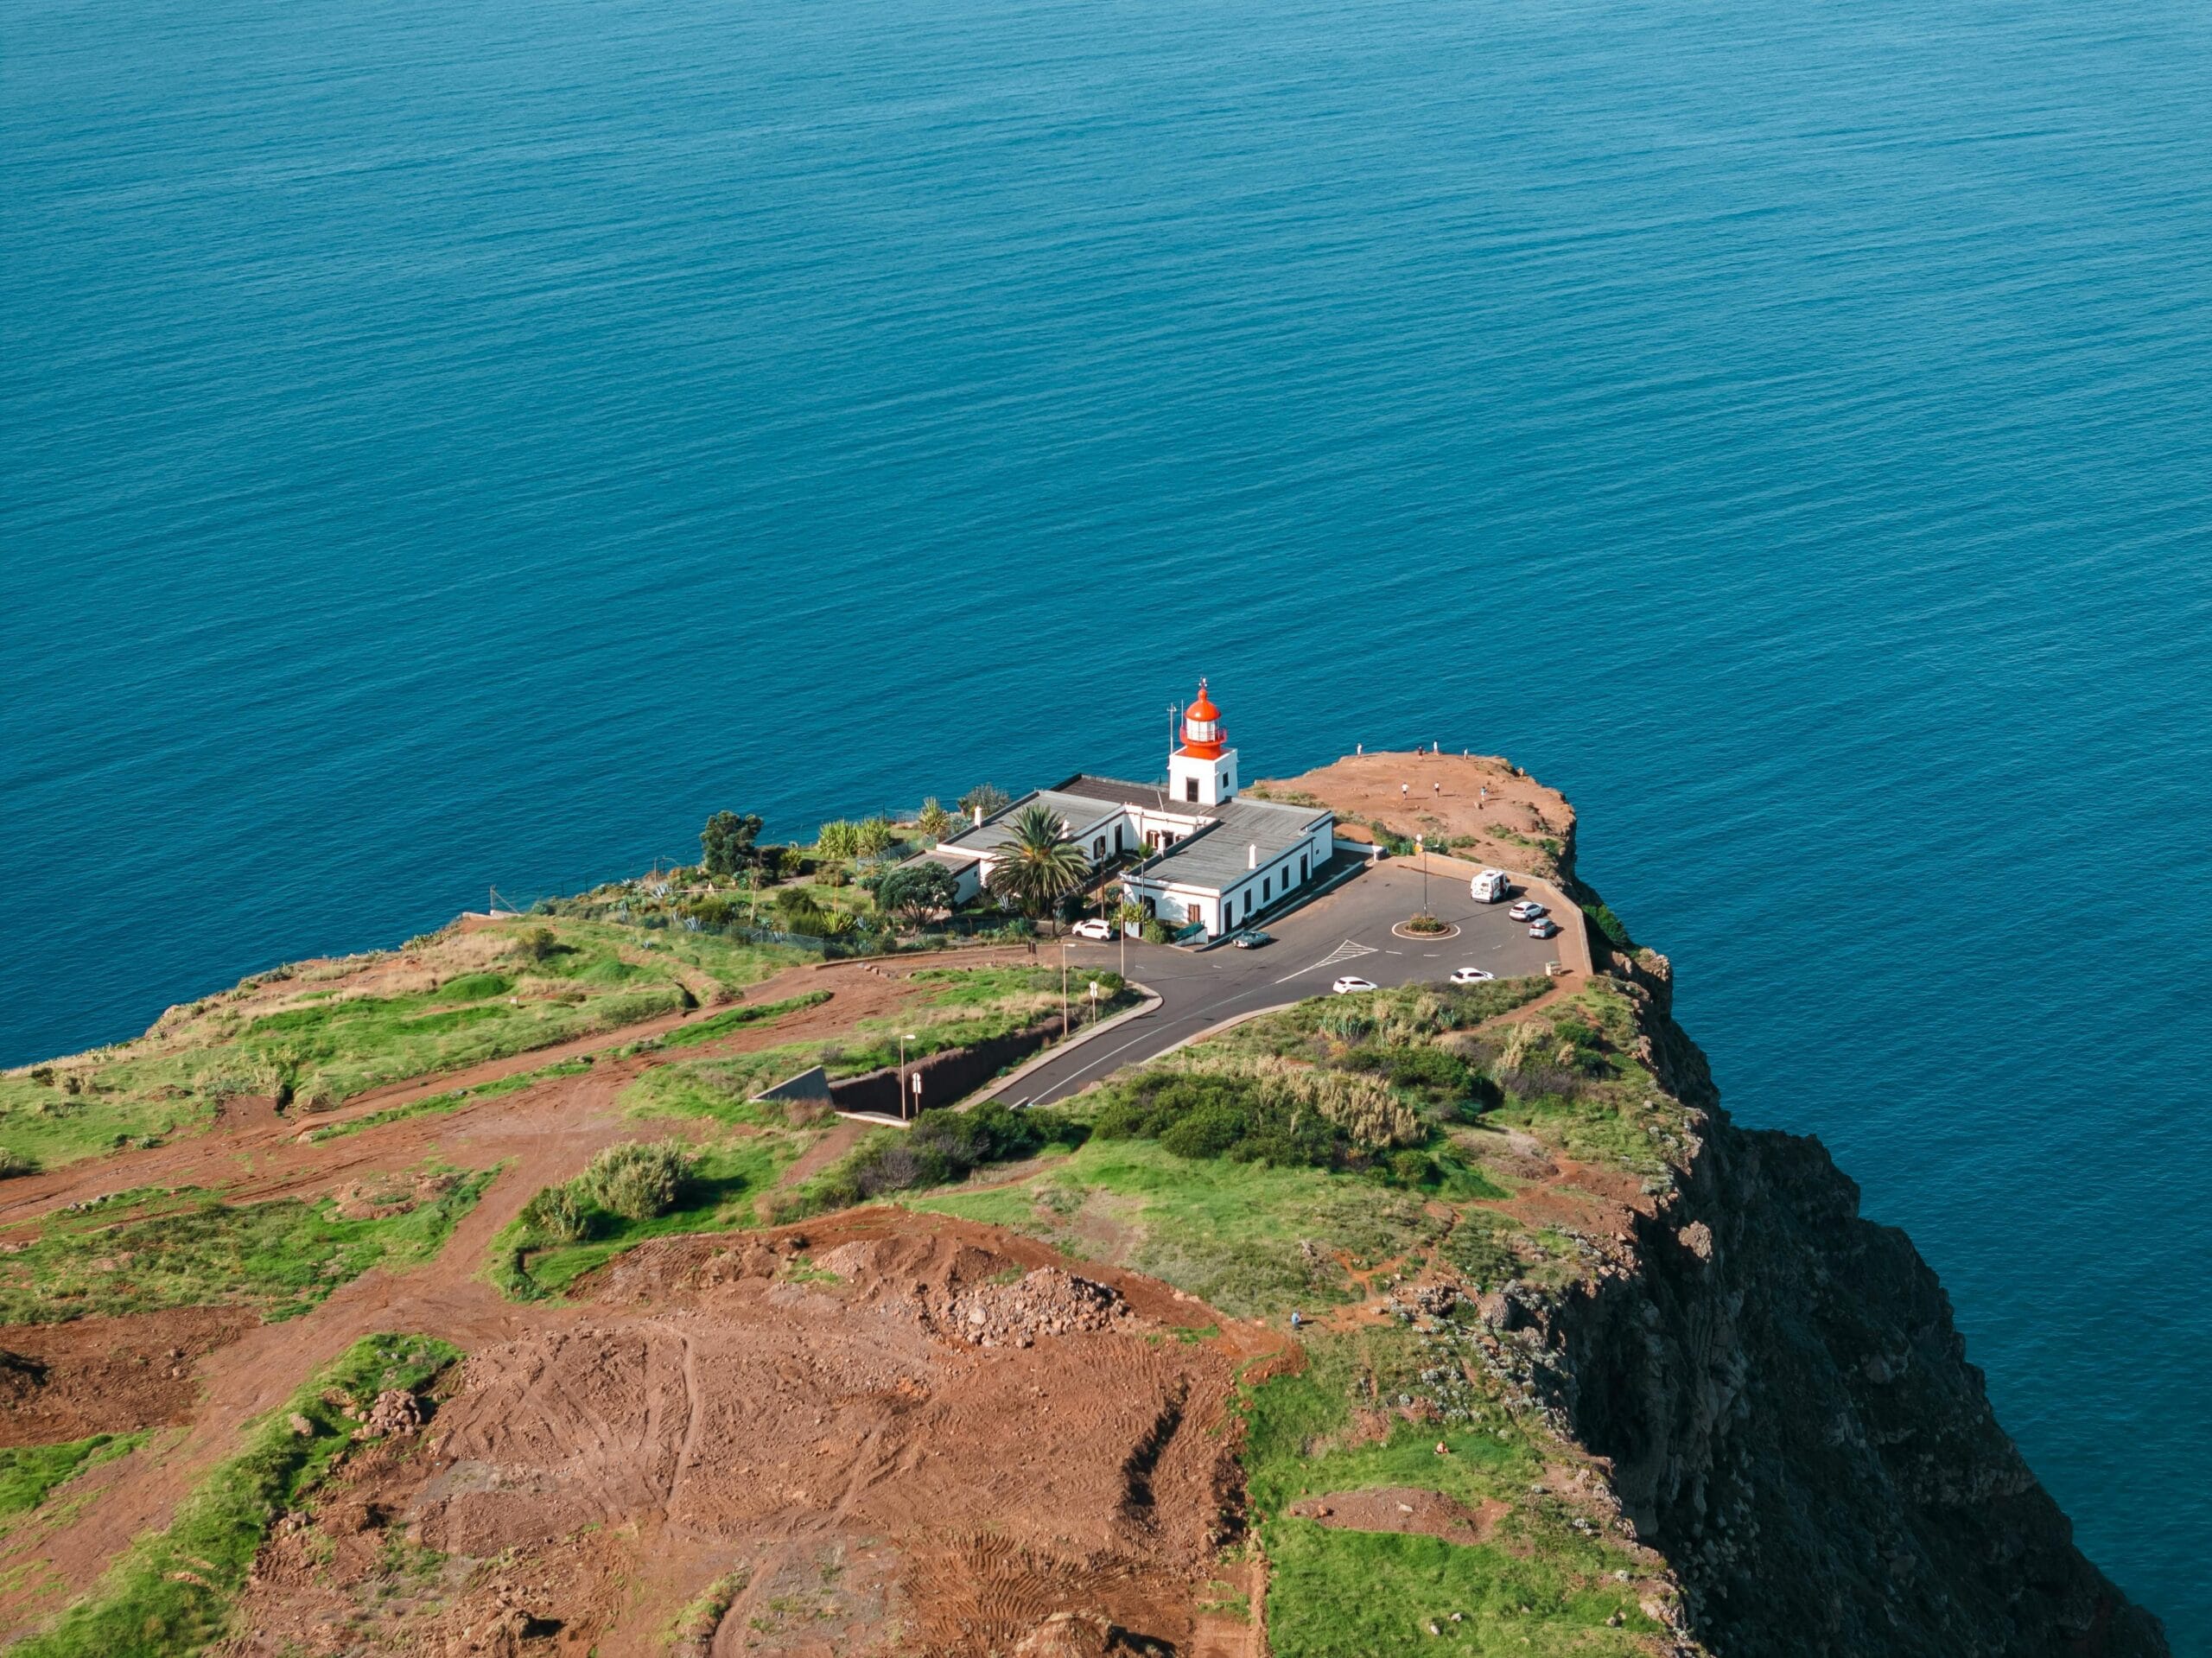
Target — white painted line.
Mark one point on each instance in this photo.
(1347, 951)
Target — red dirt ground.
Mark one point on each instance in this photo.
(956, 1494)
(726, 1405)
(1444, 795)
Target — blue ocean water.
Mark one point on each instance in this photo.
(456, 445)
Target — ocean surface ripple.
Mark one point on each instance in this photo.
(457, 445)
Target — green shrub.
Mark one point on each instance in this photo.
(537, 944)
(557, 1216)
(469, 987)
(638, 1180)
(1413, 1167)
(944, 1146)
(15, 1163)
(1616, 930)
(838, 840)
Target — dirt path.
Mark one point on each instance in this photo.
(235, 1154)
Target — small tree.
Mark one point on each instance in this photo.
(839, 840)
(915, 890)
(872, 836)
(727, 841)
(934, 822)
(986, 798)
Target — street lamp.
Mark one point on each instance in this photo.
(1094, 1001)
(903, 1041)
(1063, 989)
(1420, 851)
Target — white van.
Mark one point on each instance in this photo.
(1490, 887)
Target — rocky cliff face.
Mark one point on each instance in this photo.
(1792, 1421)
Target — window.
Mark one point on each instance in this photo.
(1190, 788)
(1264, 880)
(1098, 848)
(1301, 866)
(1117, 837)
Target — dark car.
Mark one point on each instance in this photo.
(1252, 938)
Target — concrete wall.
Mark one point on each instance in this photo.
(952, 1075)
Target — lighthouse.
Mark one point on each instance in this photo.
(1202, 770)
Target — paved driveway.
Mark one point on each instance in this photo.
(1348, 931)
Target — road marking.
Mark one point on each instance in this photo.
(1347, 951)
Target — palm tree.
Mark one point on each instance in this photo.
(1040, 866)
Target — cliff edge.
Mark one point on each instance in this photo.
(1792, 1421)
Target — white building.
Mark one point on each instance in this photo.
(1208, 855)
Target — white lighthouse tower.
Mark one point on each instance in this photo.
(1204, 770)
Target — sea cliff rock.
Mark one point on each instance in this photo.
(1791, 1420)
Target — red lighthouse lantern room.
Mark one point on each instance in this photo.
(1202, 771)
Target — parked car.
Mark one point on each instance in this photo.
(1543, 927)
(1094, 929)
(1471, 976)
(1350, 982)
(1253, 938)
(1526, 909)
(1492, 886)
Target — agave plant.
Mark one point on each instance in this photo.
(1040, 866)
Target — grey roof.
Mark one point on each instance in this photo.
(1216, 857)
(1079, 811)
(1091, 787)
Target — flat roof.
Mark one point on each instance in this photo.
(1090, 786)
(1217, 857)
(1080, 813)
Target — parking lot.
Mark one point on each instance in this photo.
(1346, 933)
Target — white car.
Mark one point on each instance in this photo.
(1094, 929)
(1350, 982)
(1543, 928)
(1471, 976)
(1526, 909)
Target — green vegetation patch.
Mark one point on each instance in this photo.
(1538, 1584)
(715, 1025)
(303, 1035)
(1569, 1075)
(941, 1147)
(171, 1591)
(559, 1238)
(1251, 1239)
(138, 1253)
(29, 1472)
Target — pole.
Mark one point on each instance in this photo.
(1420, 845)
(902, 1079)
(1063, 989)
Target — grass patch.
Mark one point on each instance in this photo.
(1538, 1585)
(29, 1472)
(1250, 1239)
(171, 1591)
(321, 1033)
(190, 1248)
(720, 1025)
(722, 1192)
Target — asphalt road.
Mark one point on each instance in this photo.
(1346, 933)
